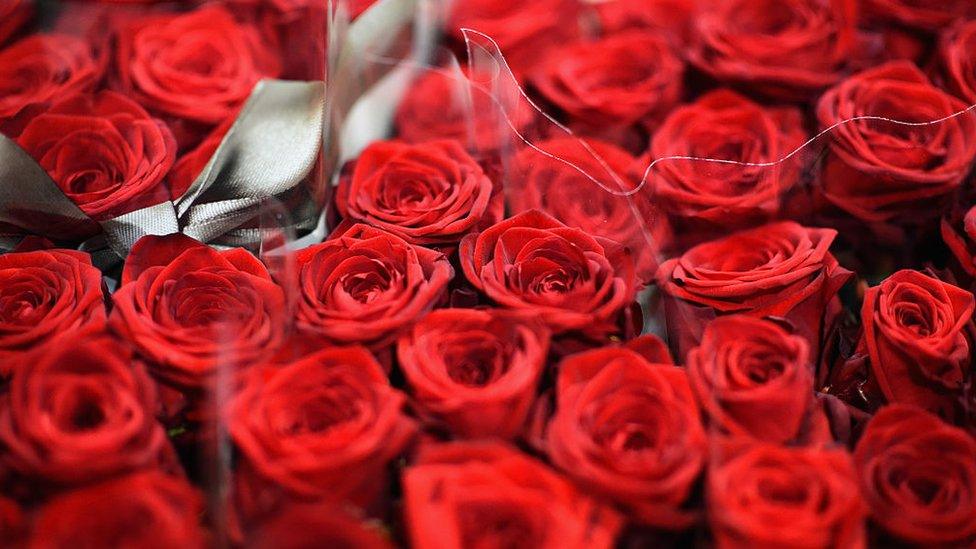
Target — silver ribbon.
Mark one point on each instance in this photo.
(272, 147)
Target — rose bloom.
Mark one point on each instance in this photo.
(629, 430)
(14, 14)
(296, 29)
(474, 370)
(918, 476)
(958, 63)
(780, 270)
(459, 105)
(431, 193)
(190, 310)
(789, 49)
(364, 285)
(753, 379)
(41, 69)
(919, 14)
(883, 172)
(44, 294)
(536, 265)
(960, 237)
(915, 339)
(766, 495)
(79, 411)
(199, 66)
(562, 191)
(485, 494)
(325, 425)
(149, 510)
(104, 152)
(619, 80)
(523, 31)
(706, 198)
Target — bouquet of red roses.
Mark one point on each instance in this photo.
(487, 273)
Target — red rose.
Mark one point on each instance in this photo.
(104, 152)
(299, 526)
(915, 340)
(13, 15)
(615, 81)
(920, 14)
(918, 476)
(491, 495)
(780, 270)
(765, 495)
(429, 194)
(297, 30)
(80, 411)
(706, 198)
(191, 310)
(789, 49)
(474, 370)
(880, 171)
(364, 285)
(960, 237)
(39, 70)
(200, 66)
(562, 191)
(325, 425)
(629, 430)
(958, 63)
(670, 18)
(536, 265)
(524, 31)
(43, 294)
(445, 104)
(148, 510)
(752, 378)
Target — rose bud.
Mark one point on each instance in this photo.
(572, 197)
(915, 340)
(104, 152)
(537, 266)
(14, 14)
(325, 425)
(41, 69)
(926, 16)
(959, 236)
(431, 193)
(147, 509)
(484, 494)
(706, 199)
(766, 495)
(474, 370)
(787, 49)
(958, 62)
(301, 526)
(445, 104)
(45, 294)
(918, 476)
(199, 66)
(616, 81)
(80, 411)
(781, 270)
(524, 31)
(753, 379)
(629, 430)
(884, 172)
(190, 310)
(363, 285)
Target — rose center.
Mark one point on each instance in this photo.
(475, 366)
